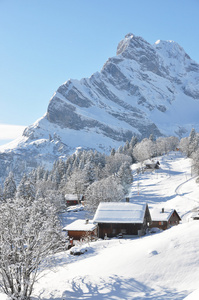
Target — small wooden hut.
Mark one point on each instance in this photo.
(73, 199)
(164, 218)
(81, 229)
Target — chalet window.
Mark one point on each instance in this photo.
(114, 231)
(123, 231)
(161, 223)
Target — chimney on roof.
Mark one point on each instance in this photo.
(127, 199)
(86, 221)
(162, 210)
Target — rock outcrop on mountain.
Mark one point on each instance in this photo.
(145, 89)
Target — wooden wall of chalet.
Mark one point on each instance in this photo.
(71, 202)
(113, 229)
(159, 224)
(80, 234)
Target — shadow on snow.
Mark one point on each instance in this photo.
(114, 287)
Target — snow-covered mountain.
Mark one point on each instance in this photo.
(144, 89)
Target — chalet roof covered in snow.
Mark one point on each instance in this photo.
(80, 225)
(122, 212)
(73, 197)
(161, 214)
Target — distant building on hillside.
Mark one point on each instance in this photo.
(152, 166)
(164, 218)
(123, 218)
(73, 199)
(195, 214)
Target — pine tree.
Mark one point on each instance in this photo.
(89, 168)
(192, 135)
(133, 142)
(61, 169)
(21, 188)
(151, 137)
(40, 173)
(26, 189)
(9, 187)
(113, 151)
(193, 142)
(1, 194)
(125, 177)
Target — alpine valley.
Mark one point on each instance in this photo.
(145, 89)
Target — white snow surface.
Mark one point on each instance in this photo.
(160, 266)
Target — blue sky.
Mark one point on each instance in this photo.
(43, 43)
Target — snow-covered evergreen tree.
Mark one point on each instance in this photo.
(1, 194)
(90, 171)
(61, 169)
(9, 190)
(39, 173)
(125, 176)
(26, 189)
(133, 142)
(193, 142)
(120, 150)
(113, 151)
(21, 188)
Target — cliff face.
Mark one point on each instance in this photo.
(144, 89)
(139, 91)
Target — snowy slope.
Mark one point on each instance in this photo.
(161, 266)
(144, 89)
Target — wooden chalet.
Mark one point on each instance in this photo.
(164, 218)
(73, 199)
(81, 229)
(123, 218)
(152, 166)
(195, 215)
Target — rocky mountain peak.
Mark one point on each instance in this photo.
(130, 44)
(171, 50)
(145, 89)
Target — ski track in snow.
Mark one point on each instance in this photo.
(181, 194)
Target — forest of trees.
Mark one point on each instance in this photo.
(97, 176)
(29, 224)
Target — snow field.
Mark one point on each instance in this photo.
(160, 266)
(151, 267)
